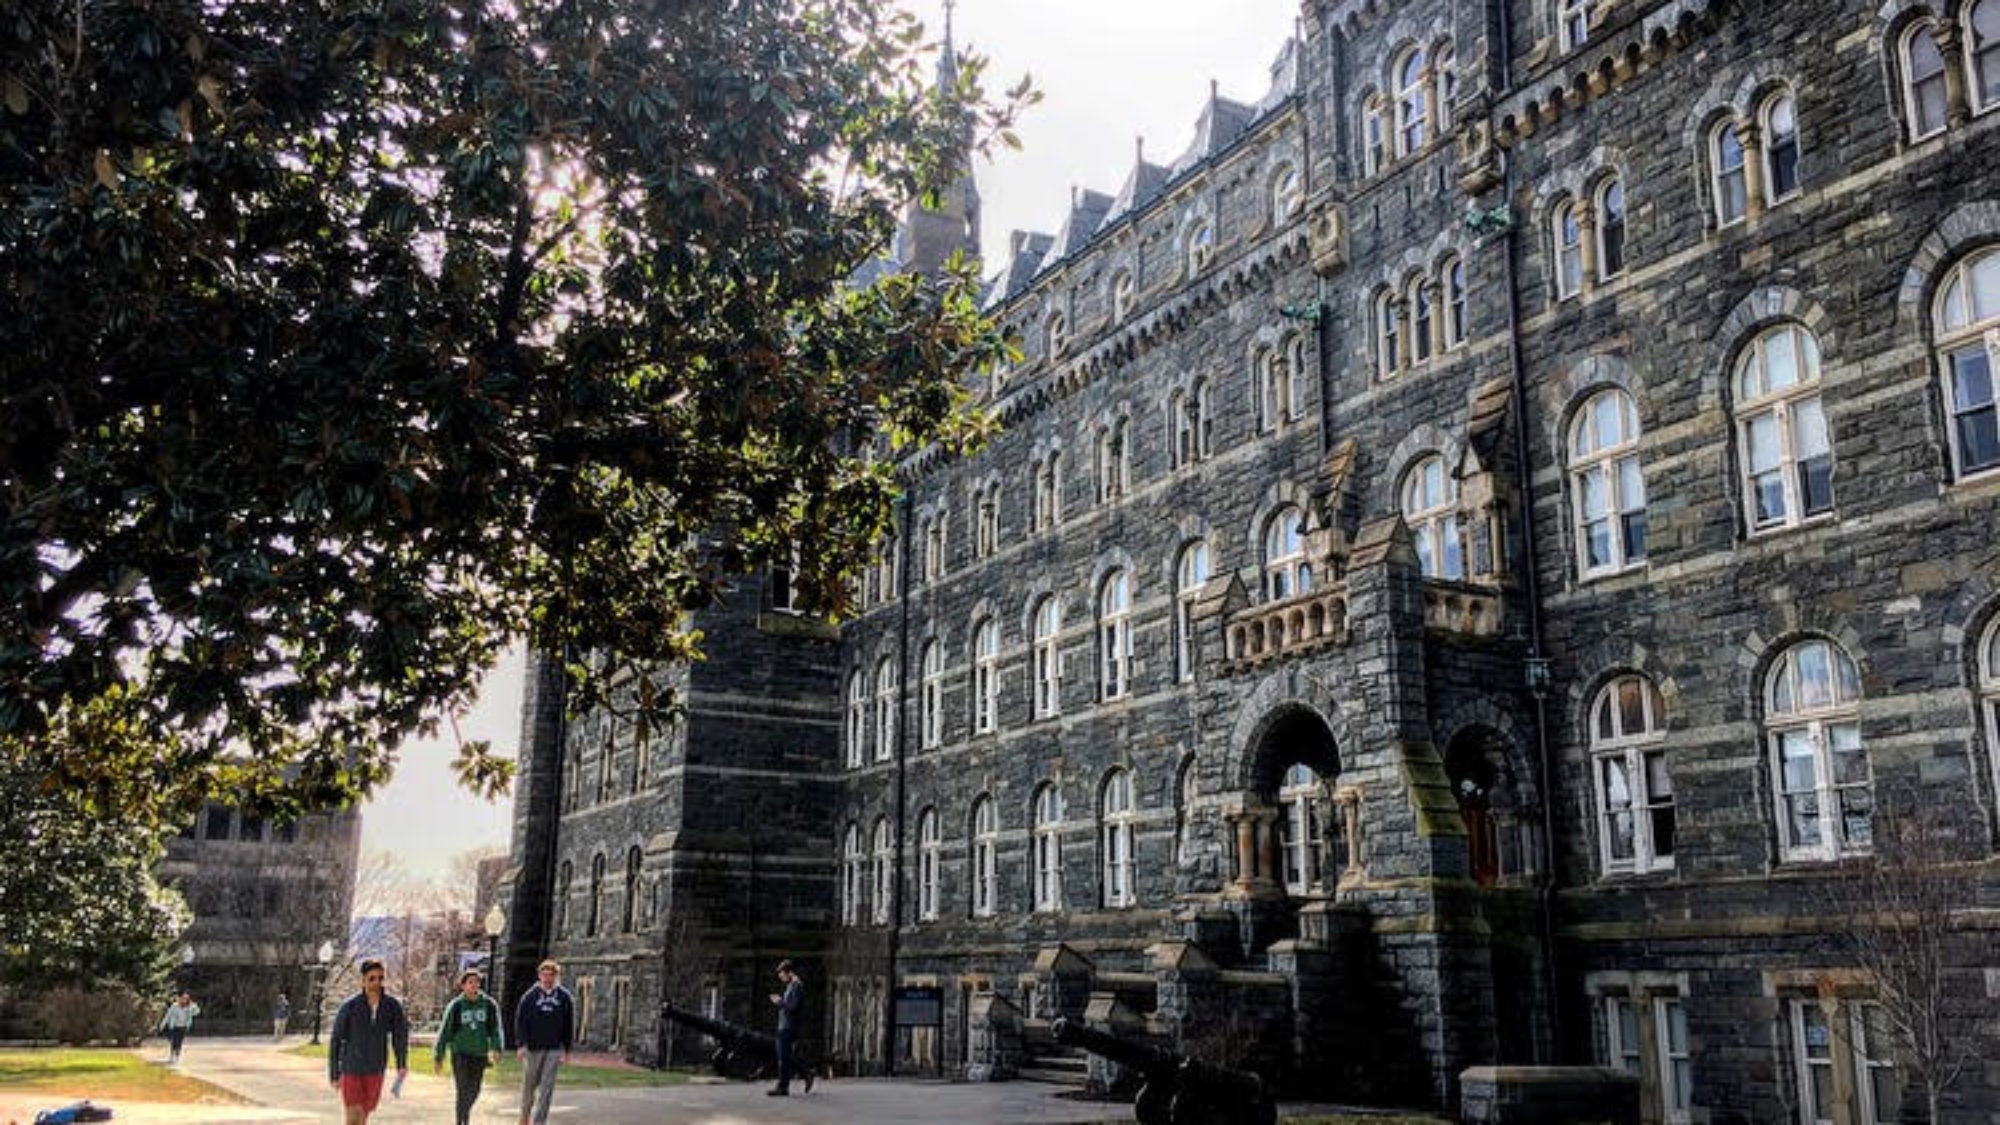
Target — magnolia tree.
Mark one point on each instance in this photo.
(345, 342)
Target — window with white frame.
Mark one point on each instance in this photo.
(1982, 54)
(783, 587)
(1608, 486)
(1444, 72)
(1430, 508)
(1114, 636)
(1048, 657)
(1451, 278)
(1423, 318)
(885, 709)
(1113, 460)
(985, 857)
(1287, 574)
(1301, 829)
(986, 521)
(857, 719)
(1288, 194)
(1610, 201)
(1048, 492)
(1388, 335)
(1572, 23)
(1923, 80)
(1115, 815)
(1295, 378)
(931, 700)
(1058, 334)
(1190, 575)
(1787, 451)
(1567, 230)
(1725, 160)
(1412, 102)
(882, 867)
(1047, 844)
(1876, 1078)
(1968, 349)
(1780, 120)
(1676, 1060)
(985, 676)
(1374, 134)
(1122, 289)
(1825, 790)
(1989, 692)
(851, 872)
(1635, 792)
(930, 862)
(1862, 1048)
(1622, 1048)
(1199, 249)
(1668, 1075)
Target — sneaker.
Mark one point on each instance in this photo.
(809, 1081)
(778, 1092)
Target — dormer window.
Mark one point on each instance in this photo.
(1288, 195)
(1572, 23)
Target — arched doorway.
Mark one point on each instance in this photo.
(1296, 766)
(1480, 763)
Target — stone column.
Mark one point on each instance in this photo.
(1432, 129)
(1751, 133)
(1951, 44)
(1267, 846)
(1405, 346)
(1438, 313)
(1245, 823)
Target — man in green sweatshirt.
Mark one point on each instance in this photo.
(471, 1032)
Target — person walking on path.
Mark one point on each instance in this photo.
(175, 1024)
(281, 1014)
(789, 1002)
(365, 1029)
(544, 1028)
(471, 1033)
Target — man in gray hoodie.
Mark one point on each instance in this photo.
(367, 1026)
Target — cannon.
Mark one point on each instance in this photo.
(1175, 1089)
(739, 1051)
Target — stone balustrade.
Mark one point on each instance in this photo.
(1452, 607)
(1312, 620)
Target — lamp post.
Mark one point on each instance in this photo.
(325, 957)
(494, 922)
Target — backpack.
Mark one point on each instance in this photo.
(80, 1112)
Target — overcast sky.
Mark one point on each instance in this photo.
(1110, 71)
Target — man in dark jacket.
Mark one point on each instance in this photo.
(470, 1033)
(367, 1026)
(544, 1026)
(789, 1002)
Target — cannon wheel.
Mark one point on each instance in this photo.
(719, 1062)
(1191, 1107)
(1154, 1105)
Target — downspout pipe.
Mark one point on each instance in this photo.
(902, 793)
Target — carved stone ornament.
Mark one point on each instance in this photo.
(1327, 235)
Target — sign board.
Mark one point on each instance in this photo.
(920, 1007)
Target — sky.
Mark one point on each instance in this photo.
(1110, 71)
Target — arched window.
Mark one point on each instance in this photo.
(1180, 420)
(1115, 814)
(1430, 508)
(933, 529)
(1114, 636)
(1301, 830)
(1451, 278)
(1288, 195)
(1423, 319)
(1048, 848)
(630, 906)
(1967, 319)
(1204, 419)
(595, 915)
(885, 709)
(1572, 23)
(1923, 80)
(1388, 335)
(1287, 574)
(931, 701)
(1989, 691)
(1280, 384)
(930, 862)
(1058, 330)
(986, 676)
(1608, 489)
(1190, 575)
(1048, 657)
(1781, 146)
(1787, 451)
(883, 855)
(985, 857)
(1610, 228)
(1412, 102)
(1826, 795)
(1725, 161)
(1635, 794)
(857, 719)
(1200, 248)
(1374, 134)
(1982, 53)
(850, 876)
(1113, 460)
(565, 875)
(1444, 69)
(986, 511)
(1567, 231)
(1121, 297)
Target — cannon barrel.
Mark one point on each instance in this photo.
(1152, 1062)
(1178, 1090)
(722, 1031)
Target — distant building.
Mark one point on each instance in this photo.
(265, 896)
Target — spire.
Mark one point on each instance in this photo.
(948, 57)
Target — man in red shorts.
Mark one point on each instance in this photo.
(368, 1025)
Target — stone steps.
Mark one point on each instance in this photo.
(1057, 1067)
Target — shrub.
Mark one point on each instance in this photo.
(73, 1014)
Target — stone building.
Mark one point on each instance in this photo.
(264, 896)
(1487, 549)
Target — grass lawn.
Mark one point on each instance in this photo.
(101, 1073)
(574, 1076)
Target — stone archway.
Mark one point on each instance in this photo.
(1480, 762)
(1282, 819)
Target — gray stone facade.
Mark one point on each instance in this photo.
(1452, 773)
